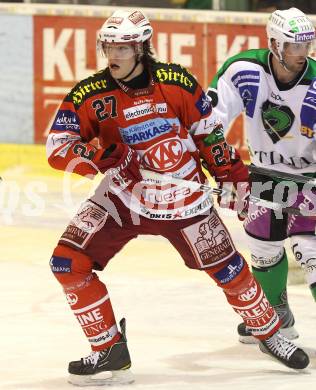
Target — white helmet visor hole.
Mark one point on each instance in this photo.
(120, 51)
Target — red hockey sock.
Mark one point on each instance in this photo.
(246, 297)
(87, 296)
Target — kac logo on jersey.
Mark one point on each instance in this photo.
(249, 294)
(164, 155)
(72, 299)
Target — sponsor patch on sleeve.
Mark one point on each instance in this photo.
(247, 84)
(204, 104)
(66, 120)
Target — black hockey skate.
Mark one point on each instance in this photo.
(287, 327)
(107, 367)
(282, 349)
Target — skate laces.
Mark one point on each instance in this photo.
(280, 346)
(92, 359)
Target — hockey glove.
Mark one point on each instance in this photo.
(237, 187)
(121, 163)
(216, 156)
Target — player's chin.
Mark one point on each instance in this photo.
(300, 68)
(297, 67)
(116, 73)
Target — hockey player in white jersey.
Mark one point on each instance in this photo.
(276, 88)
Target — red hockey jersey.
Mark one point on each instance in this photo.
(165, 123)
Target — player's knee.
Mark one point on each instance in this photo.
(265, 254)
(234, 277)
(69, 266)
(303, 248)
(246, 297)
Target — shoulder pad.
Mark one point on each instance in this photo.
(310, 75)
(257, 57)
(174, 74)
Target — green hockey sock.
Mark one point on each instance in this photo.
(273, 280)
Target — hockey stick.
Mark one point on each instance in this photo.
(158, 178)
(282, 175)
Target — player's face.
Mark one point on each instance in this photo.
(121, 58)
(294, 55)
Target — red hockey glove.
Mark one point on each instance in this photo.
(237, 187)
(121, 163)
(225, 165)
(215, 153)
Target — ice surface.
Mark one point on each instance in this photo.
(181, 331)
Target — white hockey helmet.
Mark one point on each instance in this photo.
(126, 27)
(290, 25)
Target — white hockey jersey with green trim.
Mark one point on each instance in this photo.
(280, 123)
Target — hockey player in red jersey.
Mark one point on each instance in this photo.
(151, 115)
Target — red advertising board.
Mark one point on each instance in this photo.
(65, 52)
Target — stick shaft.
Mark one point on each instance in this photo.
(281, 175)
(158, 178)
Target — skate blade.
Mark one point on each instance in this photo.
(290, 333)
(108, 378)
(248, 340)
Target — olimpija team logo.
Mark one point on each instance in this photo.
(277, 120)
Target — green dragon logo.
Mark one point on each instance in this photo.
(277, 120)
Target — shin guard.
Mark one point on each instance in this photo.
(246, 297)
(87, 296)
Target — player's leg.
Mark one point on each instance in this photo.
(90, 302)
(79, 252)
(303, 247)
(247, 298)
(302, 233)
(270, 268)
(266, 233)
(206, 244)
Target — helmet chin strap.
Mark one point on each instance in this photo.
(280, 60)
(283, 64)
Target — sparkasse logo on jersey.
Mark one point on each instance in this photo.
(144, 109)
